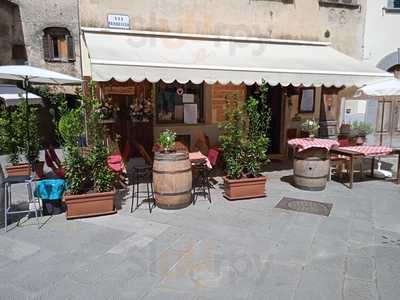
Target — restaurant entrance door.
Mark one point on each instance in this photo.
(274, 101)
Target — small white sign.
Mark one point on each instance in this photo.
(118, 21)
(188, 98)
(190, 113)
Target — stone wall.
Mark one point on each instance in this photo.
(38, 15)
(10, 32)
(305, 19)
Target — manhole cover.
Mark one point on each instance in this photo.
(307, 206)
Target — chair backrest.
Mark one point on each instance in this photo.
(126, 152)
(179, 146)
(291, 133)
(54, 156)
(213, 156)
(49, 162)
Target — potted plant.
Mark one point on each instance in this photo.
(167, 140)
(359, 132)
(90, 182)
(14, 139)
(311, 127)
(245, 143)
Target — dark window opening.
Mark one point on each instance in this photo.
(179, 103)
(58, 45)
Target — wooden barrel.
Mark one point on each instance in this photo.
(172, 177)
(311, 169)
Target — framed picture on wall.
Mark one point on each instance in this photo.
(307, 100)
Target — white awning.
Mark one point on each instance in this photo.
(12, 95)
(140, 55)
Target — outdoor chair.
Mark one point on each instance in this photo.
(339, 163)
(142, 173)
(58, 170)
(201, 183)
(6, 197)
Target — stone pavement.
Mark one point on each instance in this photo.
(226, 250)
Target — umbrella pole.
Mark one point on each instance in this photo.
(383, 115)
(26, 82)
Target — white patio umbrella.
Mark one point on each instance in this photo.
(28, 75)
(385, 88)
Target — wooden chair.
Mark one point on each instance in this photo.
(291, 133)
(339, 163)
(58, 170)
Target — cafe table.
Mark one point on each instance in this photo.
(364, 151)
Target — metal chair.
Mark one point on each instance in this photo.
(33, 202)
(142, 174)
(201, 183)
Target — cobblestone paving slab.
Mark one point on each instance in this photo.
(223, 250)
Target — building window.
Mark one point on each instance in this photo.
(58, 45)
(179, 103)
(394, 4)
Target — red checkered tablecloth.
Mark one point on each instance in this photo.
(370, 150)
(306, 143)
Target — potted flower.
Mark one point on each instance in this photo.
(245, 143)
(90, 182)
(359, 132)
(172, 174)
(14, 140)
(167, 140)
(311, 127)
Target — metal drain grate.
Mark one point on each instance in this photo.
(306, 206)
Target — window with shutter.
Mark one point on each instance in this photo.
(71, 48)
(58, 45)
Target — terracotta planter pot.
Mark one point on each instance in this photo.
(90, 205)
(246, 188)
(18, 170)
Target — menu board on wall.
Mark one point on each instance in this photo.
(190, 114)
(188, 98)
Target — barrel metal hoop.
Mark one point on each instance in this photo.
(173, 194)
(312, 159)
(308, 177)
(172, 172)
(170, 159)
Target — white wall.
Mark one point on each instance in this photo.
(381, 35)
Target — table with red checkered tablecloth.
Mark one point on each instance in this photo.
(372, 151)
(301, 144)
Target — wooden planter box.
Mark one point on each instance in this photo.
(246, 188)
(90, 205)
(18, 170)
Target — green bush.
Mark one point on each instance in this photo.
(360, 128)
(244, 135)
(85, 172)
(14, 138)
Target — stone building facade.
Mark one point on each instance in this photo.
(338, 23)
(313, 20)
(24, 23)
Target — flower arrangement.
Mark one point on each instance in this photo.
(167, 140)
(310, 126)
(106, 110)
(141, 111)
